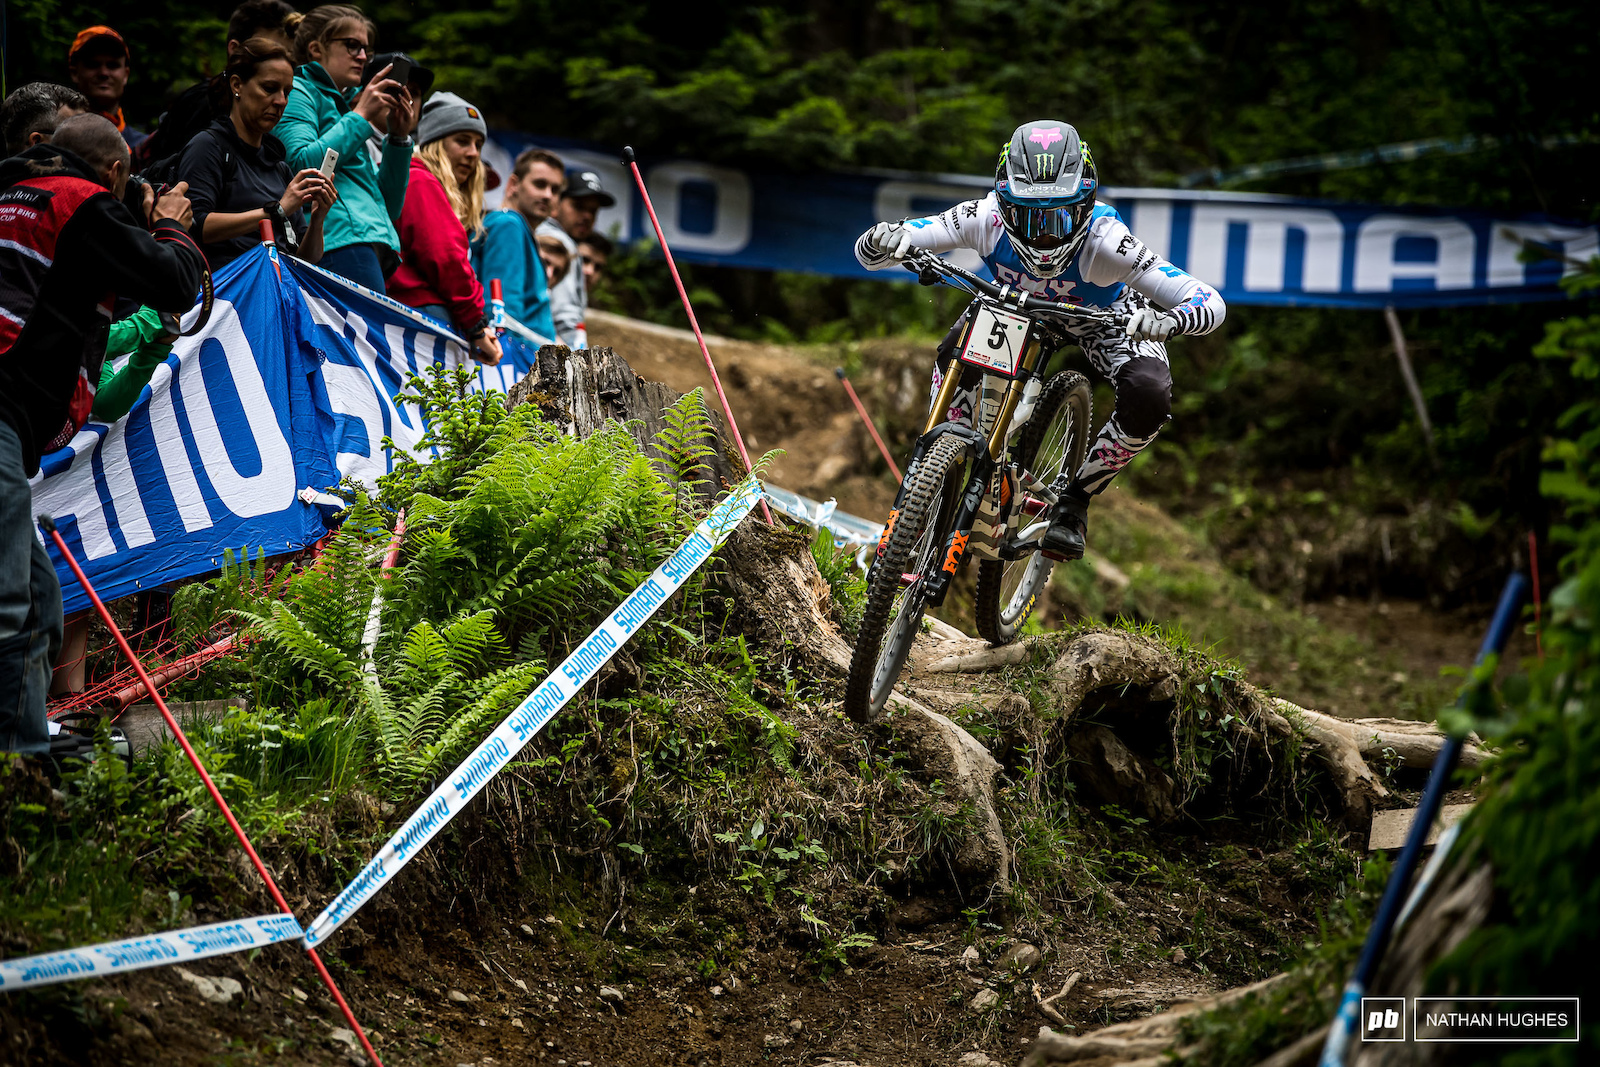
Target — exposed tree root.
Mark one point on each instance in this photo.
(1139, 1043)
(1140, 669)
(1415, 744)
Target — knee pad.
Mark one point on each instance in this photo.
(1144, 395)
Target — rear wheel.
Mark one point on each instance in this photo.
(1054, 440)
(897, 580)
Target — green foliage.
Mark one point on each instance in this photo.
(1537, 822)
(688, 439)
(847, 583)
(507, 528)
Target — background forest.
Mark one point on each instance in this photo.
(1291, 425)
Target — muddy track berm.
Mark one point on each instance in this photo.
(977, 487)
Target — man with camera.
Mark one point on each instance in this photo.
(68, 248)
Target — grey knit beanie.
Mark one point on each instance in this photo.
(444, 114)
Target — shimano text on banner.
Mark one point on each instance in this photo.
(156, 950)
(501, 746)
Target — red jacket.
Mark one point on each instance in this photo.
(434, 264)
(67, 246)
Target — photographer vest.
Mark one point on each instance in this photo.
(33, 213)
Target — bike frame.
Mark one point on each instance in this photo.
(983, 451)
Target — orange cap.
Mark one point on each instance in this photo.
(94, 33)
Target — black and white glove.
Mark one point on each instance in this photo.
(1148, 324)
(891, 239)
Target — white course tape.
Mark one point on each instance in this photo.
(156, 950)
(501, 746)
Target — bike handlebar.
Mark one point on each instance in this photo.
(931, 269)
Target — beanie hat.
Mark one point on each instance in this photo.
(446, 113)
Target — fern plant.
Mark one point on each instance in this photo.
(687, 439)
(518, 539)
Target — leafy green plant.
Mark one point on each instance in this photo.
(847, 584)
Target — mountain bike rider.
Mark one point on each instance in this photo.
(1042, 232)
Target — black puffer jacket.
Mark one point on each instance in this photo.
(68, 248)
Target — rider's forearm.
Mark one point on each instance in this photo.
(938, 234)
(1198, 307)
(1201, 312)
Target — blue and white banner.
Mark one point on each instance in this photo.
(153, 950)
(1256, 248)
(289, 387)
(551, 695)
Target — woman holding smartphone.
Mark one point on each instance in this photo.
(444, 208)
(332, 45)
(236, 169)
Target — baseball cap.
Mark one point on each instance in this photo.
(586, 183)
(92, 34)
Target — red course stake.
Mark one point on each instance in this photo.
(49, 527)
(861, 409)
(738, 438)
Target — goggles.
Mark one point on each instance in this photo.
(1047, 223)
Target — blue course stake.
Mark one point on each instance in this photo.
(1349, 1016)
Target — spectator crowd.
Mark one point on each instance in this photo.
(347, 157)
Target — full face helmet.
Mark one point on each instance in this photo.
(1045, 182)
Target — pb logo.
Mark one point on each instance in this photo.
(1383, 1018)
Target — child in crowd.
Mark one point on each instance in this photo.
(557, 260)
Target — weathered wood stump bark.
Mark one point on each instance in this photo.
(587, 388)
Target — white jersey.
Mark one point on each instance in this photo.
(1111, 258)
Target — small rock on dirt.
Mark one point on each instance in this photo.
(345, 1039)
(970, 956)
(610, 992)
(1179, 956)
(797, 1025)
(299, 994)
(985, 999)
(458, 996)
(1022, 958)
(777, 1041)
(216, 990)
(977, 1059)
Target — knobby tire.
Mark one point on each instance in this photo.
(1008, 589)
(913, 546)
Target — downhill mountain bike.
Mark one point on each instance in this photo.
(977, 486)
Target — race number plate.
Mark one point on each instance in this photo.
(996, 341)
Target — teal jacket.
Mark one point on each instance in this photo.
(506, 251)
(317, 118)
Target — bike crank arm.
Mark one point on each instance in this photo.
(1025, 544)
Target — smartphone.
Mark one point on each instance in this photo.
(399, 61)
(330, 159)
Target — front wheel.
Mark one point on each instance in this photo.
(1053, 441)
(898, 579)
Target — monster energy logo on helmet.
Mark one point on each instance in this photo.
(1045, 182)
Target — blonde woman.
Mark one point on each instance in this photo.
(443, 210)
